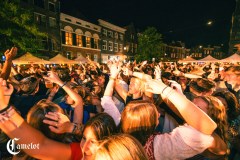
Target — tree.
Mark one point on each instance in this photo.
(149, 45)
(17, 27)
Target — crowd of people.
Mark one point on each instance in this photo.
(121, 111)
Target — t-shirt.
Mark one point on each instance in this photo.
(76, 151)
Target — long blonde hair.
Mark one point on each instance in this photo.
(120, 147)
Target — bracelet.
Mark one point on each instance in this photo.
(63, 84)
(164, 89)
(77, 128)
(5, 109)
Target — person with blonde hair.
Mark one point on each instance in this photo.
(140, 118)
(120, 147)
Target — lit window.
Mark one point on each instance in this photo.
(79, 40)
(104, 46)
(52, 22)
(68, 37)
(116, 47)
(105, 32)
(96, 43)
(110, 46)
(88, 42)
(120, 48)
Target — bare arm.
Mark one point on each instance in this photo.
(78, 105)
(189, 111)
(14, 126)
(9, 54)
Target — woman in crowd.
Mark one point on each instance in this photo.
(121, 147)
(216, 110)
(14, 126)
(233, 112)
(140, 118)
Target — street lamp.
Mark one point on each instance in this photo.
(209, 23)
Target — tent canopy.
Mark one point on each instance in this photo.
(81, 59)
(209, 58)
(233, 58)
(60, 59)
(188, 59)
(28, 58)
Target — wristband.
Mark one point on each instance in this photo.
(63, 84)
(5, 109)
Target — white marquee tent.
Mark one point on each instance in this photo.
(60, 59)
(28, 58)
(233, 58)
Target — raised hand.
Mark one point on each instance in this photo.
(154, 86)
(10, 54)
(176, 86)
(114, 70)
(157, 72)
(58, 122)
(127, 71)
(53, 77)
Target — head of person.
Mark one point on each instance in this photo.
(28, 85)
(78, 89)
(202, 87)
(139, 119)
(230, 102)
(36, 115)
(120, 147)
(216, 111)
(97, 128)
(232, 75)
(136, 86)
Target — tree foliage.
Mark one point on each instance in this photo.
(17, 27)
(149, 45)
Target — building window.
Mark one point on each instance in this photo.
(120, 48)
(39, 3)
(105, 32)
(40, 19)
(116, 35)
(52, 22)
(116, 47)
(104, 46)
(54, 45)
(88, 42)
(51, 7)
(67, 19)
(68, 37)
(79, 23)
(110, 46)
(79, 40)
(44, 44)
(96, 43)
(121, 37)
(110, 34)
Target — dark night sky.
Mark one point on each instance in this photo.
(183, 20)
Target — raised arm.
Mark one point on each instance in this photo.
(107, 102)
(12, 124)
(189, 111)
(9, 54)
(78, 105)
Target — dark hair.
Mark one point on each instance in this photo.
(202, 85)
(233, 106)
(102, 125)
